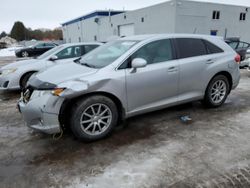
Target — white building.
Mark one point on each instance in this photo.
(175, 16)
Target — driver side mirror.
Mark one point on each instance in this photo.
(53, 58)
(138, 63)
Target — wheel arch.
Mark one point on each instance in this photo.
(68, 103)
(24, 74)
(227, 75)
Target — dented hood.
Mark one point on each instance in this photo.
(65, 72)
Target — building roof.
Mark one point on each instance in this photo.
(241, 3)
(93, 14)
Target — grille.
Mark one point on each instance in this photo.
(5, 85)
(26, 94)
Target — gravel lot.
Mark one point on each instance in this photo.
(153, 150)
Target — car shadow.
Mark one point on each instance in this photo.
(9, 95)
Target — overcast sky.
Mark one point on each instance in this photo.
(50, 13)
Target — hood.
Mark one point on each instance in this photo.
(19, 64)
(64, 72)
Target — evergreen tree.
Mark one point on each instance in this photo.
(18, 31)
(3, 34)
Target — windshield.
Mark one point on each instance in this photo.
(49, 53)
(107, 54)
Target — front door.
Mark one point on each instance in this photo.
(155, 85)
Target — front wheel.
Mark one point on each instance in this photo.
(217, 91)
(25, 78)
(93, 118)
(25, 54)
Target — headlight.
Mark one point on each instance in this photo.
(37, 94)
(57, 91)
(8, 71)
(40, 93)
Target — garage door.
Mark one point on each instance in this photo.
(126, 30)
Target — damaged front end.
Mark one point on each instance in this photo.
(40, 107)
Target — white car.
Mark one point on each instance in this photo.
(15, 75)
(246, 62)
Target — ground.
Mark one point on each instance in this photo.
(153, 150)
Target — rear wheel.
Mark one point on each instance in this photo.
(24, 79)
(93, 118)
(217, 91)
(25, 54)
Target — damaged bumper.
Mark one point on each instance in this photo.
(42, 112)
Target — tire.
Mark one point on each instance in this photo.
(89, 127)
(217, 92)
(24, 79)
(25, 54)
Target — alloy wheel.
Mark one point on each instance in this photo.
(25, 54)
(218, 91)
(96, 119)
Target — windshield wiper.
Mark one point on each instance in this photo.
(88, 65)
(78, 60)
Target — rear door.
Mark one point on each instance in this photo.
(155, 85)
(194, 61)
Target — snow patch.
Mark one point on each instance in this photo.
(8, 52)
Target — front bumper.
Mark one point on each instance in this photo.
(9, 82)
(42, 114)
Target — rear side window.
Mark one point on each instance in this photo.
(88, 48)
(233, 44)
(189, 47)
(49, 45)
(212, 48)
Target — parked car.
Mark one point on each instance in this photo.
(128, 77)
(241, 48)
(15, 75)
(35, 50)
(246, 62)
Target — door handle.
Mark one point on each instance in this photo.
(210, 61)
(172, 69)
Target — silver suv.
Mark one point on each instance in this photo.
(127, 77)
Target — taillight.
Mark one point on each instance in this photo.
(237, 58)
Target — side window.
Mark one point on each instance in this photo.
(233, 44)
(212, 48)
(49, 45)
(77, 51)
(154, 52)
(88, 48)
(246, 45)
(40, 45)
(70, 52)
(243, 45)
(190, 47)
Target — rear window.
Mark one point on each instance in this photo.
(212, 48)
(189, 47)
